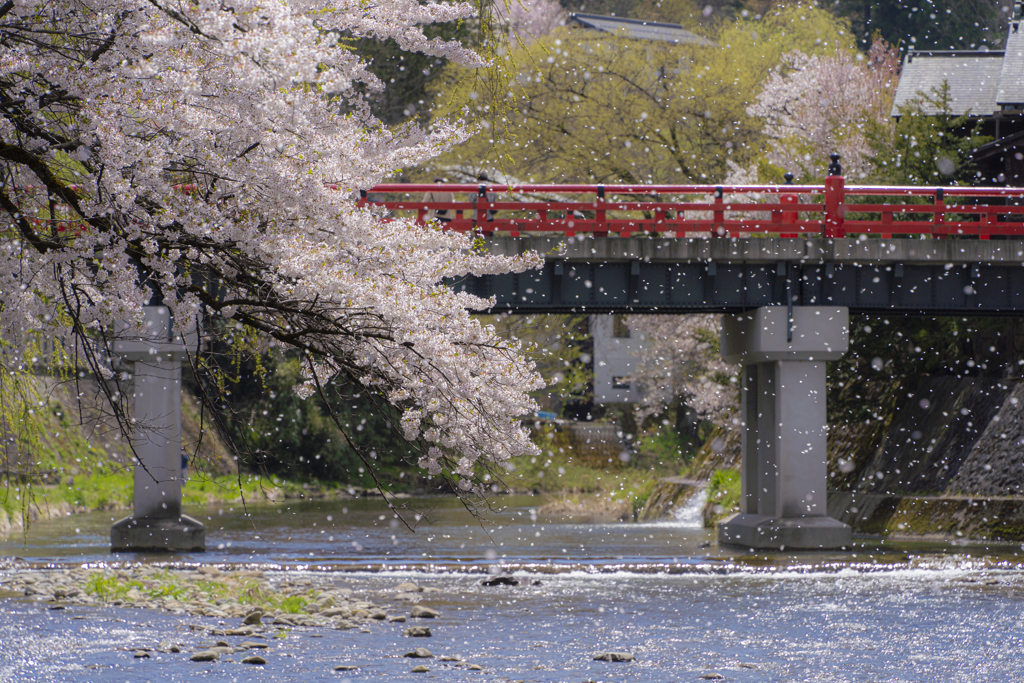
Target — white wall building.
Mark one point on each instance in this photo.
(615, 354)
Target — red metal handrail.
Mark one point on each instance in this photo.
(828, 210)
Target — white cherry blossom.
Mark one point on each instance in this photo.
(212, 154)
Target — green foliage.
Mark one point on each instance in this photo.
(724, 491)
(674, 436)
(592, 107)
(279, 433)
(897, 348)
(407, 74)
(103, 586)
(108, 586)
(928, 145)
(934, 24)
(561, 348)
(293, 604)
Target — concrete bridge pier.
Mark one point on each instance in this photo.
(157, 523)
(784, 474)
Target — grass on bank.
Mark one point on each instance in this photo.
(724, 492)
(561, 471)
(114, 491)
(114, 586)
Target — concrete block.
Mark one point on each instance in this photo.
(791, 533)
(820, 333)
(181, 534)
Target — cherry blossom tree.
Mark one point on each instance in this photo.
(528, 20)
(209, 156)
(813, 105)
(682, 360)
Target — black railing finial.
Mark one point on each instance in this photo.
(789, 178)
(834, 168)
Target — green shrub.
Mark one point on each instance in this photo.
(724, 492)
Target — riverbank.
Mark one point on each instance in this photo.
(24, 504)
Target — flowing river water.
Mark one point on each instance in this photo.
(685, 608)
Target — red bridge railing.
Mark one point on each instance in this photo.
(828, 210)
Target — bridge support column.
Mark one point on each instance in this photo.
(157, 523)
(784, 474)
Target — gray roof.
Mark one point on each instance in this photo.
(973, 78)
(1011, 78)
(638, 29)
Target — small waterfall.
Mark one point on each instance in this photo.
(691, 514)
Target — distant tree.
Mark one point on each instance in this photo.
(589, 106)
(406, 74)
(813, 105)
(681, 361)
(703, 15)
(561, 347)
(929, 145)
(928, 24)
(528, 20)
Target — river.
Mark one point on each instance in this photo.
(684, 607)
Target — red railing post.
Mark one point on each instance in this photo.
(787, 217)
(600, 215)
(718, 215)
(939, 219)
(991, 221)
(835, 200)
(481, 211)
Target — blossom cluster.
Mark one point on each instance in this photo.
(682, 359)
(210, 155)
(813, 105)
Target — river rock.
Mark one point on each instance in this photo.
(346, 667)
(408, 587)
(253, 618)
(205, 656)
(419, 653)
(712, 676)
(244, 631)
(332, 612)
(420, 669)
(501, 581)
(613, 657)
(475, 667)
(141, 654)
(252, 645)
(417, 632)
(397, 619)
(254, 659)
(421, 612)
(379, 614)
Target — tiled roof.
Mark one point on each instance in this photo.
(638, 29)
(973, 78)
(1011, 78)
